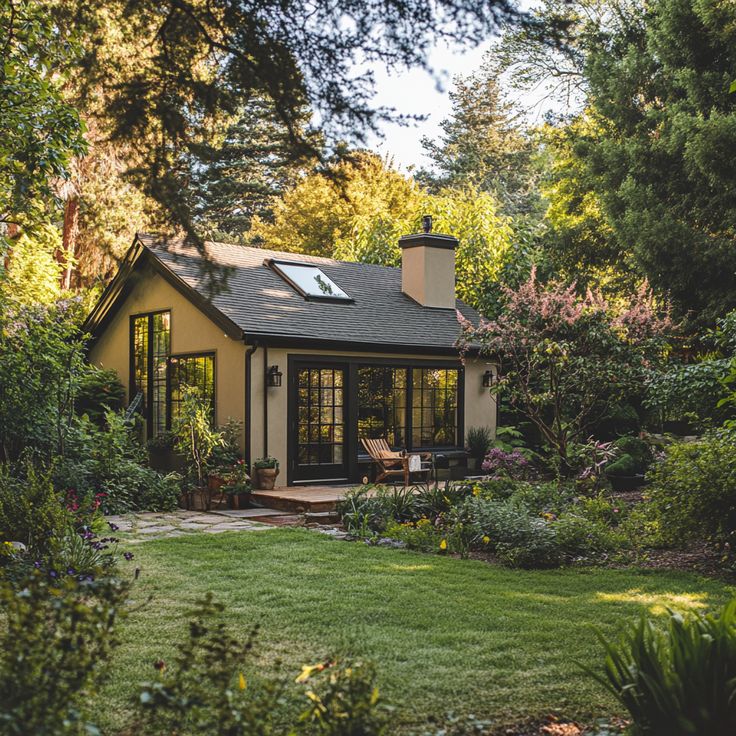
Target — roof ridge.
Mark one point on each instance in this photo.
(178, 241)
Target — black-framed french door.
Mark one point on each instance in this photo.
(318, 442)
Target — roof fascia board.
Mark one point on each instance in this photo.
(290, 341)
(120, 287)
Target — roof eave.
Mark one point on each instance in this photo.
(319, 343)
(119, 288)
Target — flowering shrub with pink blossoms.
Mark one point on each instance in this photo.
(566, 359)
(501, 464)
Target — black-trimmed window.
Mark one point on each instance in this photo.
(410, 407)
(321, 439)
(196, 371)
(382, 403)
(434, 407)
(150, 337)
(160, 377)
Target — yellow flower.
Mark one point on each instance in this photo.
(241, 682)
(443, 544)
(309, 670)
(476, 490)
(486, 539)
(374, 696)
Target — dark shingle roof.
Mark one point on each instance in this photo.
(261, 303)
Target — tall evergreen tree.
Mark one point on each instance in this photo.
(173, 73)
(237, 177)
(483, 143)
(655, 146)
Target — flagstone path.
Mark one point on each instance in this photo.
(141, 526)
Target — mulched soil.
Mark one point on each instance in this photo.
(697, 558)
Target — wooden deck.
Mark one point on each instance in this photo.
(301, 499)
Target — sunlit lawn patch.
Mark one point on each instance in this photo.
(446, 634)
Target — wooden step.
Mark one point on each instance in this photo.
(301, 499)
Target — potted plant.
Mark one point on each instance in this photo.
(266, 470)
(477, 443)
(161, 453)
(238, 486)
(196, 440)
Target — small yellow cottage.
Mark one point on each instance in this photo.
(309, 354)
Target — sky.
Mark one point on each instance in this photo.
(416, 91)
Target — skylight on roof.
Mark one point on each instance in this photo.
(310, 281)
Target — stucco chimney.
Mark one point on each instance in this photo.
(428, 267)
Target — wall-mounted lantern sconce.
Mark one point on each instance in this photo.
(488, 379)
(274, 376)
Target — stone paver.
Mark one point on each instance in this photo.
(142, 526)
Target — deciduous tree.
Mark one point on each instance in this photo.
(565, 360)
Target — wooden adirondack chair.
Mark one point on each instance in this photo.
(393, 464)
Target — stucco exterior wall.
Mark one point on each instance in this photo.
(191, 332)
(480, 406)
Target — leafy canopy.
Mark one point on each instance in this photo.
(647, 177)
(363, 206)
(566, 360)
(41, 131)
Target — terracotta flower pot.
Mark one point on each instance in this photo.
(266, 478)
(215, 482)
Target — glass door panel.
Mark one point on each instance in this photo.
(320, 424)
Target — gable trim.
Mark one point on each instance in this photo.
(112, 299)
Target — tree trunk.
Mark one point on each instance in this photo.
(65, 256)
(12, 231)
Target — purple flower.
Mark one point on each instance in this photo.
(502, 464)
(128, 556)
(71, 571)
(113, 527)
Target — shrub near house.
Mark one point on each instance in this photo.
(567, 360)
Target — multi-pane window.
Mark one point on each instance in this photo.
(140, 360)
(382, 404)
(434, 407)
(320, 416)
(150, 346)
(196, 371)
(161, 377)
(161, 346)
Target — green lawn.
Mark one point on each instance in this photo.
(446, 634)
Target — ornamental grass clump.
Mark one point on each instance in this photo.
(676, 680)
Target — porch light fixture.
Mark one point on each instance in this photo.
(274, 376)
(488, 379)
